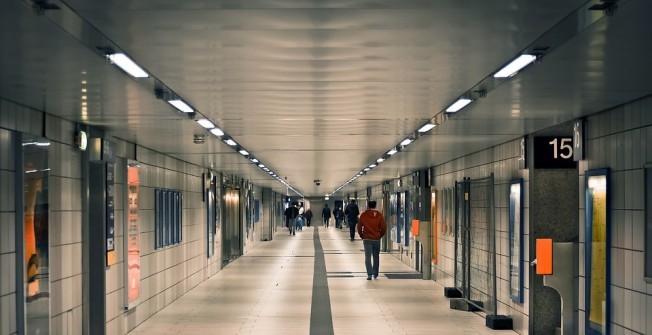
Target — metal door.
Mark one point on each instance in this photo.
(232, 230)
(475, 260)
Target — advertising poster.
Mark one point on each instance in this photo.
(133, 237)
(37, 238)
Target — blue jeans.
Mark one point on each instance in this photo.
(352, 230)
(371, 248)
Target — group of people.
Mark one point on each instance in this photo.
(295, 217)
(370, 226)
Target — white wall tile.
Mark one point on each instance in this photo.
(8, 232)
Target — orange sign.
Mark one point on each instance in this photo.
(544, 256)
(415, 227)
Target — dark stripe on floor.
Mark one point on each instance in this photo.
(321, 319)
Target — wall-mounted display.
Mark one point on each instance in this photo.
(597, 252)
(515, 240)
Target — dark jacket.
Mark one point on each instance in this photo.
(352, 213)
(308, 214)
(372, 225)
(291, 212)
(326, 213)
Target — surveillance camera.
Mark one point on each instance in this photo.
(318, 183)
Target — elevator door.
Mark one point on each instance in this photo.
(232, 230)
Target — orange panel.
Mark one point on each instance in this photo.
(415, 227)
(544, 256)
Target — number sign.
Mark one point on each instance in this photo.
(553, 153)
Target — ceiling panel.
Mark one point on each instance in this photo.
(320, 89)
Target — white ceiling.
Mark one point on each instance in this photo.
(321, 89)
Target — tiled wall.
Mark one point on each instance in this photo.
(65, 229)
(502, 161)
(7, 235)
(621, 139)
(166, 273)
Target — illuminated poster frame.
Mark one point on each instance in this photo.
(516, 240)
(433, 222)
(597, 252)
(35, 171)
(132, 236)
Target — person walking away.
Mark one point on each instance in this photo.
(308, 216)
(352, 213)
(300, 219)
(291, 214)
(338, 214)
(371, 228)
(326, 215)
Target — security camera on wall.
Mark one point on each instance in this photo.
(317, 182)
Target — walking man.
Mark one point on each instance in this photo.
(352, 213)
(291, 214)
(326, 215)
(372, 228)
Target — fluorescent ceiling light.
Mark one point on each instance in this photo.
(181, 106)
(515, 66)
(457, 105)
(261, 165)
(244, 152)
(406, 142)
(126, 64)
(426, 127)
(380, 160)
(230, 142)
(217, 132)
(391, 152)
(367, 169)
(254, 160)
(206, 123)
(266, 169)
(373, 166)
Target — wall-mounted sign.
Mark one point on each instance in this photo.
(578, 140)
(81, 140)
(110, 214)
(554, 153)
(522, 160)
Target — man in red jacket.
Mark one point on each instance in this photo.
(371, 228)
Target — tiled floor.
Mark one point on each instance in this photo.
(269, 291)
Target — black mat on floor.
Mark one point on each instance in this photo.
(413, 275)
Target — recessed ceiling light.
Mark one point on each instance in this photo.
(514, 66)
(206, 123)
(457, 105)
(181, 106)
(128, 65)
(426, 127)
